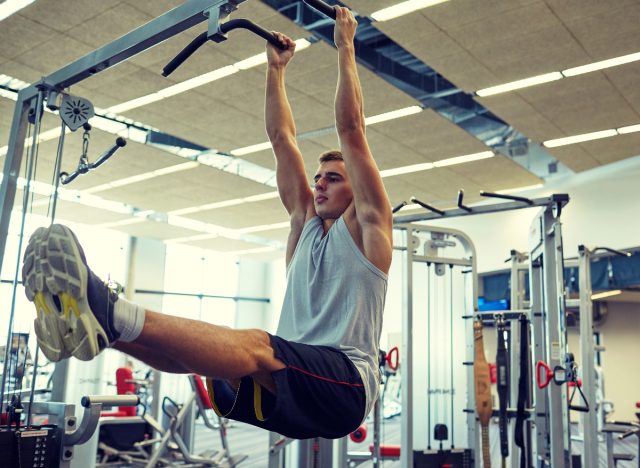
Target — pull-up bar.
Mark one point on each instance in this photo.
(217, 31)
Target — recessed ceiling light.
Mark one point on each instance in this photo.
(403, 8)
(579, 138)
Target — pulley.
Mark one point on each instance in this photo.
(75, 111)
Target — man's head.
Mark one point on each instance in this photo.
(332, 193)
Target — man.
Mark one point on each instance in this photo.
(318, 376)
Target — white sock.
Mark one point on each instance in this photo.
(128, 319)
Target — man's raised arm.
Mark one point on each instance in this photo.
(372, 207)
(291, 178)
(292, 181)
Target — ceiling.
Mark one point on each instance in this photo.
(472, 44)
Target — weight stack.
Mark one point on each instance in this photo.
(33, 447)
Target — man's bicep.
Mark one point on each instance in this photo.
(291, 178)
(368, 189)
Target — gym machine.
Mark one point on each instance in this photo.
(443, 252)
(51, 445)
(544, 412)
(593, 421)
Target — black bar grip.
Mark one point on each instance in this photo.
(427, 207)
(506, 197)
(254, 28)
(120, 142)
(613, 251)
(579, 408)
(322, 7)
(460, 205)
(397, 208)
(184, 54)
(66, 178)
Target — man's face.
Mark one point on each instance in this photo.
(332, 192)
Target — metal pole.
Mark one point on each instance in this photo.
(587, 352)
(538, 318)
(406, 358)
(556, 338)
(12, 163)
(516, 303)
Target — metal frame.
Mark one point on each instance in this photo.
(154, 32)
(587, 357)
(406, 354)
(554, 200)
(519, 265)
(550, 337)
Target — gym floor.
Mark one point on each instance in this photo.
(251, 441)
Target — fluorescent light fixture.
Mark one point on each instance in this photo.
(520, 189)
(532, 81)
(251, 149)
(464, 159)
(251, 61)
(252, 251)
(197, 237)
(406, 169)
(8, 94)
(261, 197)
(403, 8)
(145, 176)
(9, 7)
(396, 114)
(108, 125)
(122, 222)
(186, 223)
(579, 138)
(614, 62)
(138, 102)
(199, 81)
(302, 44)
(175, 168)
(225, 203)
(629, 129)
(265, 227)
(602, 295)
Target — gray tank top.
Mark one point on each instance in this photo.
(335, 297)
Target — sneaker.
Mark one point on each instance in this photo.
(74, 308)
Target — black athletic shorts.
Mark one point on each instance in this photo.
(319, 394)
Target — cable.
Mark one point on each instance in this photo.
(451, 352)
(428, 356)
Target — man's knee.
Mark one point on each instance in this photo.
(263, 352)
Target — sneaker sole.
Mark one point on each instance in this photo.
(53, 266)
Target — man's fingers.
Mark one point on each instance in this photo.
(284, 40)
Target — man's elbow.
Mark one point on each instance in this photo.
(347, 127)
(280, 137)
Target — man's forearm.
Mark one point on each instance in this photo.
(349, 103)
(278, 116)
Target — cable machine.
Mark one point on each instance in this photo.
(542, 435)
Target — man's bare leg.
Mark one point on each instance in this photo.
(191, 346)
(78, 315)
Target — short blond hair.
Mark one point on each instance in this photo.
(331, 155)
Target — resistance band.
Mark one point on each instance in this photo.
(482, 382)
(502, 368)
(523, 390)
